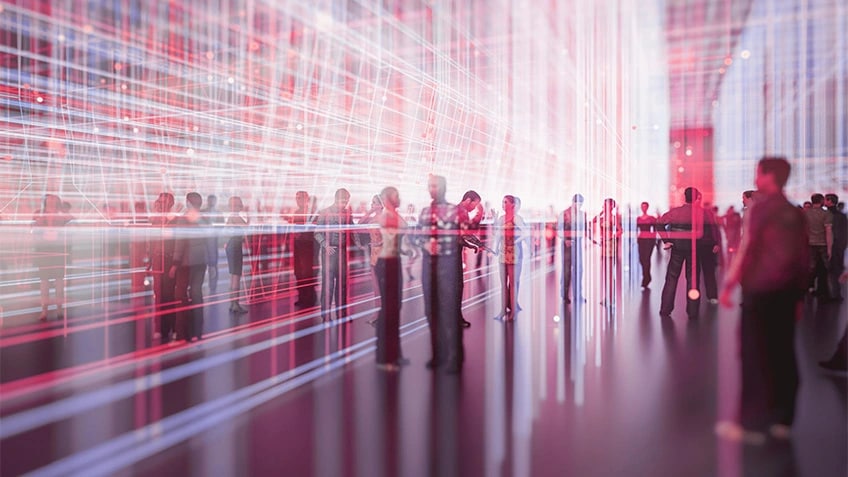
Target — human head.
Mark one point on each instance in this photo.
(377, 202)
(644, 207)
(808, 204)
(236, 205)
(437, 186)
(747, 198)
(194, 200)
(164, 203)
(691, 194)
(470, 200)
(609, 203)
(772, 174)
(577, 200)
(509, 204)
(817, 200)
(830, 200)
(301, 197)
(211, 201)
(52, 203)
(342, 198)
(390, 197)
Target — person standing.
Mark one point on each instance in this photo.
(235, 252)
(304, 252)
(732, 225)
(608, 225)
(212, 216)
(708, 253)
(471, 202)
(441, 225)
(334, 236)
(191, 256)
(51, 252)
(820, 232)
(389, 280)
(840, 241)
(646, 240)
(161, 253)
(573, 228)
(680, 229)
(773, 268)
(512, 232)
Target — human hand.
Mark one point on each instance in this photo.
(716, 249)
(330, 250)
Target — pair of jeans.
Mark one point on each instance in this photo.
(679, 258)
(441, 282)
(334, 281)
(390, 282)
(189, 291)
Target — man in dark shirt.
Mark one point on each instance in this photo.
(334, 235)
(773, 269)
(820, 230)
(840, 240)
(680, 229)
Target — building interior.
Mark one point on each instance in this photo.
(106, 105)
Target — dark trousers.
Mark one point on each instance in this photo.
(304, 271)
(334, 277)
(709, 264)
(646, 249)
(188, 290)
(510, 281)
(164, 296)
(672, 275)
(441, 280)
(837, 266)
(819, 265)
(572, 270)
(390, 282)
(769, 371)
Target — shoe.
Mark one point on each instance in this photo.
(665, 316)
(43, 316)
(402, 361)
(466, 324)
(518, 307)
(713, 301)
(373, 322)
(500, 316)
(453, 368)
(780, 431)
(568, 301)
(432, 364)
(732, 431)
(391, 367)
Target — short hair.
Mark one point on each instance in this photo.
(690, 194)
(301, 193)
(645, 204)
(577, 199)
(471, 195)
(510, 198)
(817, 199)
(748, 194)
(609, 201)
(832, 198)
(194, 199)
(342, 193)
(777, 167)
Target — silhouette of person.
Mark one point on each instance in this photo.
(440, 227)
(608, 224)
(212, 216)
(235, 252)
(840, 241)
(51, 252)
(574, 228)
(334, 236)
(304, 252)
(161, 252)
(191, 256)
(732, 224)
(646, 239)
(680, 228)
(820, 233)
(773, 268)
(511, 234)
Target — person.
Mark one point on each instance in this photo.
(390, 280)
(772, 267)
(412, 221)
(304, 252)
(680, 228)
(213, 216)
(374, 239)
(646, 240)
(512, 232)
(573, 228)
(161, 253)
(471, 203)
(839, 229)
(732, 225)
(820, 232)
(608, 224)
(235, 252)
(334, 236)
(708, 250)
(51, 253)
(191, 256)
(441, 225)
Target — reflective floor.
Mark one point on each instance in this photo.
(564, 390)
